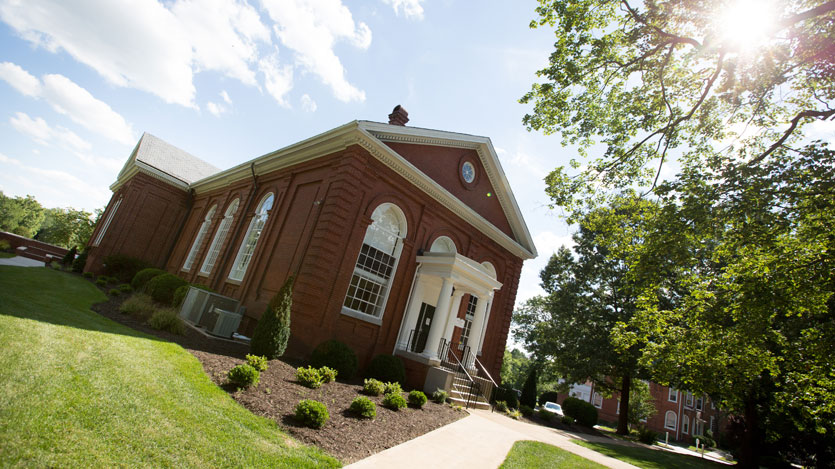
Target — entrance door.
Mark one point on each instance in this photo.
(427, 312)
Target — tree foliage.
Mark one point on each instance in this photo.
(528, 397)
(273, 330)
(20, 215)
(66, 227)
(515, 367)
(655, 78)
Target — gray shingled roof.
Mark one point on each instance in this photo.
(171, 160)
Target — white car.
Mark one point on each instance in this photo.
(553, 407)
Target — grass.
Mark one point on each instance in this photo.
(533, 454)
(6, 255)
(78, 390)
(649, 458)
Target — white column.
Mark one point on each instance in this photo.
(439, 320)
(412, 312)
(486, 321)
(478, 322)
(453, 313)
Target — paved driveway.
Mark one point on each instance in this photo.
(481, 440)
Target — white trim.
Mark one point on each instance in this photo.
(198, 241)
(107, 221)
(675, 420)
(238, 270)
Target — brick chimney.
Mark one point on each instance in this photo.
(398, 116)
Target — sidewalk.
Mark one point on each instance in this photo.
(481, 440)
(21, 262)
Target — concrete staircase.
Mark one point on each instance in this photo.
(459, 394)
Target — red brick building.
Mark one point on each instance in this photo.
(401, 239)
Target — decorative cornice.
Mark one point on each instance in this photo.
(140, 167)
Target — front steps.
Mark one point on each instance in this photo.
(459, 394)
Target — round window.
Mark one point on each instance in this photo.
(468, 172)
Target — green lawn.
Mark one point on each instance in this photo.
(533, 454)
(6, 255)
(648, 458)
(78, 390)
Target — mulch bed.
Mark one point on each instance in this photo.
(344, 436)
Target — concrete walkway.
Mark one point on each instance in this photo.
(481, 440)
(21, 262)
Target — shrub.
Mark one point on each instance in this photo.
(546, 415)
(707, 439)
(257, 362)
(312, 413)
(87, 274)
(166, 319)
(162, 287)
(79, 263)
(142, 277)
(273, 330)
(507, 395)
(124, 268)
(139, 304)
(525, 410)
(309, 377)
(101, 281)
(581, 411)
(114, 292)
(567, 420)
(364, 407)
(373, 387)
(181, 292)
(529, 389)
(387, 368)
(647, 436)
(392, 388)
(5, 245)
(336, 355)
(124, 288)
(244, 376)
(439, 396)
(501, 406)
(417, 398)
(69, 256)
(328, 374)
(514, 414)
(394, 401)
(548, 396)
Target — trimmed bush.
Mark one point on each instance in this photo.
(328, 374)
(69, 256)
(525, 410)
(139, 305)
(394, 401)
(529, 389)
(101, 281)
(581, 411)
(507, 395)
(124, 288)
(548, 396)
(257, 362)
(392, 388)
(439, 396)
(373, 387)
(501, 406)
(567, 420)
(142, 277)
(387, 368)
(335, 354)
(5, 245)
(244, 376)
(417, 398)
(647, 436)
(114, 292)
(87, 275)
(363, 407)
(166, 319)
(79, 263)
(124, 268)
(546, 415)
(181, 292)
(162, 287)
(273, 330)
(309, 377)
(312, 413)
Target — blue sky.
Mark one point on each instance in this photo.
(228, 81)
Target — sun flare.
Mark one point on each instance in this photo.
(745, 25)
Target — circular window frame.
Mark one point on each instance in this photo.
(464, 161)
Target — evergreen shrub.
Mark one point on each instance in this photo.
(417, 398)
(373, 387)
(79, 262)
(439, 396)
(312, 413)
(507, 395)
(328, 374)
(309, 377)
(387, 367)
(244, 376)
(166, 319)
(581, 411)
(142, 277)
(162, 288)
(139, 305)
(364, 407)
(394, 401)
(335, 354)
(273, 330)
(258, 362)
(69, 256)
(124, 268)
(393, 388)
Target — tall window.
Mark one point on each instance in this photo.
(699, 403)
(201, 235)
(598, 400)
(220, 237)
(377, 261)
(685, 424)
(256, 225)
(673, 396)
(688, 399)
(468, 322)
(107, 221)
(670, 420)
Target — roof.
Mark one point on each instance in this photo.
(165, 161)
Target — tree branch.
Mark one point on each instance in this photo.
(823, 115)
(679, 39)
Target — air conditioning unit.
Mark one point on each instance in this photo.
(217, 314)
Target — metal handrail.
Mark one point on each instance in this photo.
(485, 371)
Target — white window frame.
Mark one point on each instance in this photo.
(220, 238)
(685, 425)
(667, 420)
(467, 330)
(597, 400)
(363, 274)
(253, 234)
(672, 395)
(698, 427)
(198, 241)
(107, 221)
(688, 400)
(699, 403)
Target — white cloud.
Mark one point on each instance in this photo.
(412, 9)
(41, 132)
(219, 108)
(20, 79)
(225, 96)
(277, 79)
(311, 28)
(308, 104)
(57, 184)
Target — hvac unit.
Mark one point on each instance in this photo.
(217, 314)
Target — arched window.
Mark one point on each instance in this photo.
(220, 237)
(201, 235)
(256, 225)
(443, 244)
(685, 424)
(670, 420)
(377, 261)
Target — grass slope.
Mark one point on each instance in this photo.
(78, 390)
(648, 458)
(534, 454)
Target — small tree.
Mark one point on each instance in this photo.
(69, 256)
(529, 390)
(273, 330)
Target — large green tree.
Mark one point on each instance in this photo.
(66, 227)
(515, 366)
(20, 215)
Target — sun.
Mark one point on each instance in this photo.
(745, 25)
